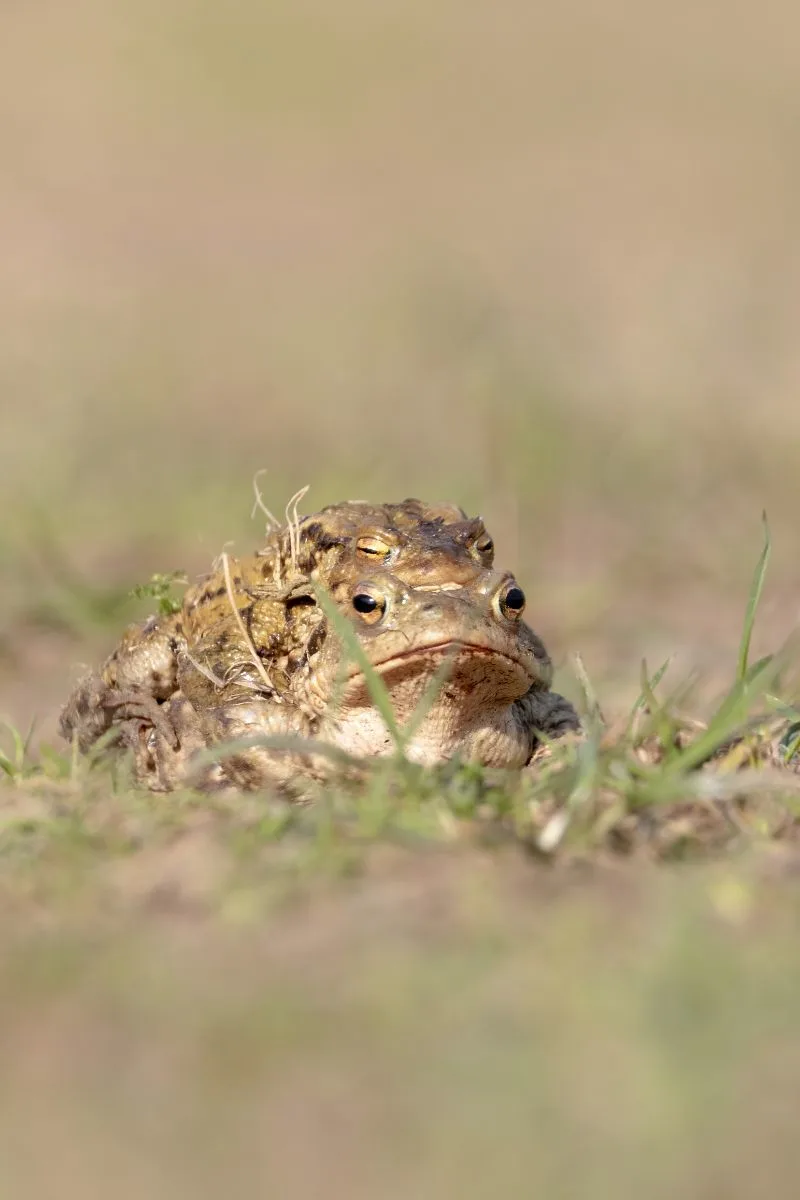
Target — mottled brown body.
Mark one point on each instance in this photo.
(251, 653)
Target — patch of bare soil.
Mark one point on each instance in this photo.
(443, 1022)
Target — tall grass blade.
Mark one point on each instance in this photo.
(287, 743)
(14, 764)
(733, 718)
(428, 698)
(647, 698)
(591, 700)
(355, 651)
(752, 603)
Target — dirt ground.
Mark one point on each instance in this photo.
(445, 1024)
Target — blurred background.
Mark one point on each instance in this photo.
(539, 260)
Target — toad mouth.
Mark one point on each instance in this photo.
(451, 647)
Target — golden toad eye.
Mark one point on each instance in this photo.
(480, 542)
(511, 602)
(373, 548)
(370, 608)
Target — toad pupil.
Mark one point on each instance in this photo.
(364, 604)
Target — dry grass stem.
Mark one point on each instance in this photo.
(248, 641)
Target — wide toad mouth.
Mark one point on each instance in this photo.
(465, 656)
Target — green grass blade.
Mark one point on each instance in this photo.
(757, 667)
(752, 603)
(594, 712)
(53, 764)
(789, 744)
(288, 743)
(733, 718)
(355, 651)
(13, 764)
(647, 695)
(647, 698)
(428, 698)
(26, 745)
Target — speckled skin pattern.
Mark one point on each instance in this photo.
(252, 654)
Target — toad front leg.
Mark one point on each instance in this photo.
(95, 707)
(129, 690)
(547, 713)
(265, 745)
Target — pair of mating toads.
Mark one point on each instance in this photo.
(254, 652)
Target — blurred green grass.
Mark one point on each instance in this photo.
(446, 1025)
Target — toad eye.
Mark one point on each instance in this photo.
(481, 545)
(512, 602)
(373, 547)
(370, 608)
